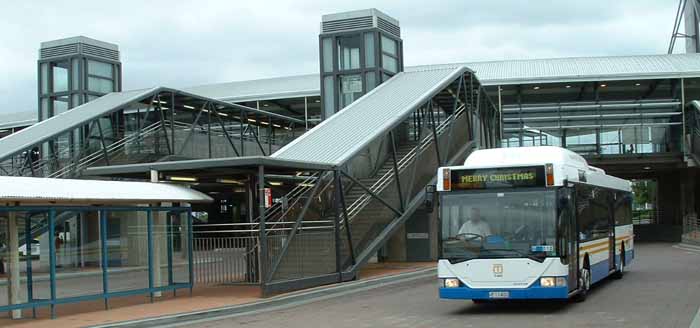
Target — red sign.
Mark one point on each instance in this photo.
(268, 197)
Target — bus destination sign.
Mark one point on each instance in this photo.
(508, 177)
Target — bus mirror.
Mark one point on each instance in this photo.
(429, 197)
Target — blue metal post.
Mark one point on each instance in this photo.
(169, 241)
(28, 260)
(52, 261)
(103, 250)
(150, 252)
(190, 246)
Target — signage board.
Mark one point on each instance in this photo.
(493, 178)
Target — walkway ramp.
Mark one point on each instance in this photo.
(385, 148)
(160, 123)
(344, 134)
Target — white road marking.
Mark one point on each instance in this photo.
(687, 248)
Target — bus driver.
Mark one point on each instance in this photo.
(475, 225)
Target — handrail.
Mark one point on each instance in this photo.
(387, 178)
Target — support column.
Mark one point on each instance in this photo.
(13, 277)
(158, 237)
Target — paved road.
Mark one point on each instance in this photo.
(661, 289)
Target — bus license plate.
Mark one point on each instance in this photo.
(499, 294)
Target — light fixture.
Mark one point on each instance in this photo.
(223, 114)
(264, 123)
(265, 105)
(317, 101)
(275, 183)
(188, 106)
(303, 184)
(277, 125)
(159, 101)
(184, 179)
(647, 167)
(252, 120)
(603, 85)
(637, 84)
(536, 88)
(229, 181)
(568, 86)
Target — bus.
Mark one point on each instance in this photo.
(530, 223)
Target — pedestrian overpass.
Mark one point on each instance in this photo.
(342, 189)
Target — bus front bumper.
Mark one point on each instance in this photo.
(533, 292)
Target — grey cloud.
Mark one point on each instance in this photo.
(196, 42)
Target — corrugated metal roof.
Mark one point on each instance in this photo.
(587, 69)
(273, 88)
(19, 119)
(65, 121)
(342, 135)
(489, 73)
(43, 190)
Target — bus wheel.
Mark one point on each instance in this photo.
(621, 269)
(585, 283)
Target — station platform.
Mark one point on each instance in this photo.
(203, 298)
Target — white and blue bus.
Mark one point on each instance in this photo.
(530, 223)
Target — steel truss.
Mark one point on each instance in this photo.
(163, 124)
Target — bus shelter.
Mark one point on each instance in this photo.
(65, 241)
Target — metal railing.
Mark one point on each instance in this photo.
(229, 253)
(645, 216)
(691, 227)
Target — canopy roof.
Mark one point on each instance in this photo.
(71, 191)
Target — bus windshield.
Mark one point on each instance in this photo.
(498, 224)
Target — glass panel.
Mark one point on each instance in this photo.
(349, 52)
(385, 77)
(76, 74)
(60, 105)
(60, 77)
(389, 63)
(371, 80)
(44, 78)
(327, 45)
(350, 89)
(498, 224)
(369, 50)
(389, 45)
(180, 247)
(582, 141)
(100, 69)
(328, 99)
(127, 250)
(76, 241)
(100, 85)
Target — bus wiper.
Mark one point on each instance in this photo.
(530, 256)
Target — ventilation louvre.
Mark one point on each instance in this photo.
(388, 27)
(77, 49)
(347, 24)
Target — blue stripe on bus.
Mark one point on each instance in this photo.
(600, 270)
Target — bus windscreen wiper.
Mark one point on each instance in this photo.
(530, 256)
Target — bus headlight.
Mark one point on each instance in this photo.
(553, 281)
(450, 283)
(547, 282)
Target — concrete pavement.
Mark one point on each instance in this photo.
(661, 289)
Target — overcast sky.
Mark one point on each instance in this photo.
(183, 43)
